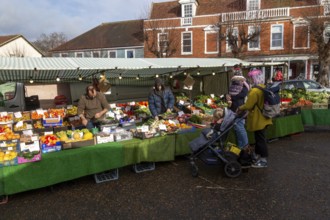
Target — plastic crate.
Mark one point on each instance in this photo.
(106, 176)
(143, 167)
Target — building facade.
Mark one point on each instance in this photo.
(199, 28)
(17, 46)
(122, 39)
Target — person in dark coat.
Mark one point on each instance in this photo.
(161, 99)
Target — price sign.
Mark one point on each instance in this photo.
(111, 114)
(113, 105)
(145, 128)
(162, 127)
(132, 103)
(19, 124)
(212, 96)
(106, 130)
(180, 113)
(48, 132)
(128, 108)
(34, 138)
(28, 132)
(40, 111)
(69, 107)
(18, 115)
(209, 101)
(181, 102)
(196, 112)
(2, 114)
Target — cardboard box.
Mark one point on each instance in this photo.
(8, 152)
(77, 144)
(29, 151)
(51, 148)
(105, 138)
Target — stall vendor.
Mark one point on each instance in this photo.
(92, 107)
(161, 99)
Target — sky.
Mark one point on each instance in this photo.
(31, 18)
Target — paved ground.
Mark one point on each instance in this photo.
(296, 185)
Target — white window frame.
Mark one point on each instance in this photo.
(96, 52)
(191, 43)
(128, 50)
(187, 12)
(250, 3)
(326, 29)
(235, 29)
(271, 37)
(161, 40)
(211, 30)
(81, 53)
(250, 29)
(294, 36)
(112, 51)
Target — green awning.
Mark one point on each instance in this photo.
(70, 69)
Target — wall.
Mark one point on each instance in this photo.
(19, 47)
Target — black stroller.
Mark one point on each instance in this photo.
(212, 150)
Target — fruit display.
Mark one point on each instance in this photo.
(7, 157)
(21, 126)
(76, 135)
(9, 136)
(21, 116)
(303, 98)
(49, 139)
(6, 117)
(38, 114)
(55, 113)
(72, 110)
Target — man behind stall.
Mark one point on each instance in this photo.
(92, 107)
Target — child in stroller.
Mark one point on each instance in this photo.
(210, 147)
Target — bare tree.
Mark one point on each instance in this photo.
(240, 30)
(46, 42)
(16, 51)
(160, 38)
(319, 23)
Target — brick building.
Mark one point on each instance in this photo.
(197, 28)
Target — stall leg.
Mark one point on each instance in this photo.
(3, 199)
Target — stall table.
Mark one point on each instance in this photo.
(70, 164)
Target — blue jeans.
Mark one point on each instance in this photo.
(90, 125)
(241, 134)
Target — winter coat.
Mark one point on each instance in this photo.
(255, 119)
(155, 101)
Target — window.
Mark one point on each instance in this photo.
(162, 42)
(129, 54)
(79, 54)
(254, 43)
(301, 37)
(231, 37)
(186, 43)
(112, 54)
(327, 33)
(64, 55)
(96, 54)
(187, 10)
(277, 37)
(253, 5)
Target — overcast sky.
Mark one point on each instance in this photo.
(31, 18)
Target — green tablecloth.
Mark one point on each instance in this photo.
(281, 127)
(314, 117)
(74, 163)
(151, 150)
(60, 166)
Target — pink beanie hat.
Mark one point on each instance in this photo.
(257, 76)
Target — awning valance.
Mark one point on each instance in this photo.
(70, 69)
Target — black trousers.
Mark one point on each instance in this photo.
(261, 147)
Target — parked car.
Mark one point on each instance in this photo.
(308, 85)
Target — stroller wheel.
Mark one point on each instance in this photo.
(194, 170)
(233, 169)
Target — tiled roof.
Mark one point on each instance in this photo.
(172, 9)
(8, 38)
(107, 35)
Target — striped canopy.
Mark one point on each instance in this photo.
(72, 69)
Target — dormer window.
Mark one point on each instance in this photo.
(188, 10)
(252, 5)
